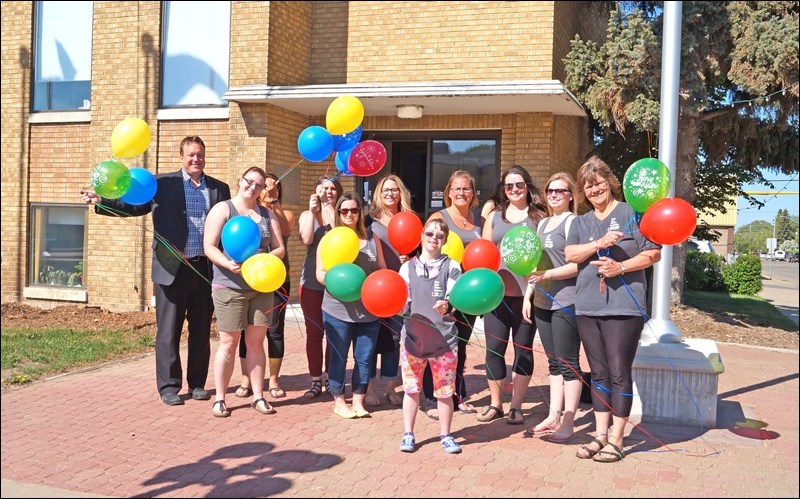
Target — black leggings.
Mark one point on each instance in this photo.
(508, 316)
(610, 344)
(277, 323)
(558, 331)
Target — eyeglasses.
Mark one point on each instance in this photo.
(389, 190)
(592, 186)
(518, 185)
(557, 192)
(464, 190)
(430, 235)
(352, 211)
(254, 184)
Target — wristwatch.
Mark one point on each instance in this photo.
(621, 267)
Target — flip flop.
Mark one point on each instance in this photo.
(277, 392)
(558, 439)
(243, 392)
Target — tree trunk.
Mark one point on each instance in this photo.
(685, 173)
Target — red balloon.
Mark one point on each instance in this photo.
(405, 230)
(668, 221)
(367, 158)
(481, 253)
(384, 293)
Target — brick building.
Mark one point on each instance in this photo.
(445, 86)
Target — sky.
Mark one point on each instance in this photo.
(774, 202)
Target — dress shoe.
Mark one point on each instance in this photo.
(172, 399)
(200, 394)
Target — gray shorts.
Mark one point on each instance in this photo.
(236, 309)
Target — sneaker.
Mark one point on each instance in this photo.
(408, 444)
(450, 446)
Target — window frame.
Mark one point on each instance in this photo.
(38, 263)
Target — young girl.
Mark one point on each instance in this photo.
(430, 277)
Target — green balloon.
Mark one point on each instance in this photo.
(477, 291)
(521, 250)
(110, 179)
(344, 281)
(645, 182)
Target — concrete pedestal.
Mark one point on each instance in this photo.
(676, 383)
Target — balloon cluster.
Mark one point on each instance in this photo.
(111, 179)
(664, 220)
(341, 134)
(241, 239)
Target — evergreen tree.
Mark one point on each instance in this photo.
(738, 95)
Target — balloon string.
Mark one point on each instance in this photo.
(287, 172)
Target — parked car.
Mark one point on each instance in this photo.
(780, 256)
(699, 245)
(794, 258)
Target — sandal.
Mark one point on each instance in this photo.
(465, 408)
(276, 392)
(586, 452)
(490, 414)
(223, 410)
(243, 392)
(268, 409)
(315, 390)
(515, 416)
(616, 454)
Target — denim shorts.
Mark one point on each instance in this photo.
(236, 308)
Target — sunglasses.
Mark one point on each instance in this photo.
(518, 185)
(431, 235)
(352, 211)
(558, 192)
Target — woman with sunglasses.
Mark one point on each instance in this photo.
(610, 294)
(552, 287)
(313, 224)
(236, 305)
(520, 205)
(461, 217)
(271, 198)
(389, 198)
(349, 323)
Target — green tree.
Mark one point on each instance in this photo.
(738, 94)
(783, 227)
(752, 237)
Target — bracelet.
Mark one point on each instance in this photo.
(622, 268)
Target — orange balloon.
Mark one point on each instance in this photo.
(481, 253)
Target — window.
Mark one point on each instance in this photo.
(63, 56)
(196, 53)
(478, 157)
(58, 242)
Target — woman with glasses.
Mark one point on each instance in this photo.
(389, 198)
(520, 205)
(460, 216)
(236, 305)
(349, 323)
(271, 198)
(429, 334)
(552, 287)
(610, 304)
(313, 224)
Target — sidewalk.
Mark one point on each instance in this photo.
(104, 432)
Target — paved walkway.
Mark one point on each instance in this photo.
(104, 432)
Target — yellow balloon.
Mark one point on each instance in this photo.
(339, 245)
(344, 115)
(454, 247)
(130, 138)
(264, 272)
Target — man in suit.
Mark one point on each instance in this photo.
(182, 292)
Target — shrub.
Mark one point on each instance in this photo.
(704, 271)
(744, 275)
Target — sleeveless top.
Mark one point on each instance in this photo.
(354, 311)
(466, 235)
(515, 285)
(224, 277)
(308, 274)
(562, 291)
(423, 293)
(390, 255)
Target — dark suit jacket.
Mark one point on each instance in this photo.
(168, 207)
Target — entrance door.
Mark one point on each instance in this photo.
(409, 162)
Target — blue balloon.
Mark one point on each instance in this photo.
(143, 187)
(348, 140)
(241, 238)
(342, 157)
(315, 144)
